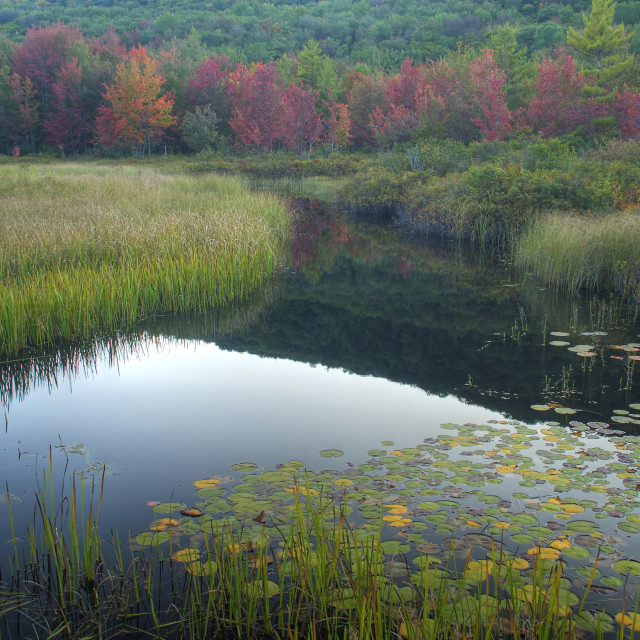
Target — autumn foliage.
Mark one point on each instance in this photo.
(139, 111)
(60, 91)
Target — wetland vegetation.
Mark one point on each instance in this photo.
(86, 249)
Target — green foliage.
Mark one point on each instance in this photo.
(377, 191)
(199, 129)
(603, 49)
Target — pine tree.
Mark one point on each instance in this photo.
(603, 51)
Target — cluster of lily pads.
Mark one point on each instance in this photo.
(503, 510)
(631, 349)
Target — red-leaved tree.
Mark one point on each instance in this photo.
(488, 80)
(66, 125)
(557, 106)
(627, 112)
(257, 95)
(139, 112)
(303, 124)
(42, 54)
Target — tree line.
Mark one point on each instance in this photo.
(60, 90)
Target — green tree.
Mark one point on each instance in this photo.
(512, 59)
(603, 50)
(315, 69)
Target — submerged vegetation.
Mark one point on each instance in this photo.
(86, 249)
(409, 544)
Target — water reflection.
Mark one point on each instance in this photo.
(364, 300)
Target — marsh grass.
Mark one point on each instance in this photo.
(315, 576)
(87, 249)
(572, 252)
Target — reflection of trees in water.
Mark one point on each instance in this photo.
(49, 368)
(363, 299)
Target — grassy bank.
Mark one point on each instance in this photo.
(87, 248)
(572, 252)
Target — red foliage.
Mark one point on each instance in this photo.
(406, 87)
(627, 111)
(396, 125)
(303, 125)
(207, 85)
(66, 124)
(43, 53)
(557, 106)
(258, 104)
(488, 80)
(109, 47)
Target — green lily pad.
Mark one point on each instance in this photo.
(597, 622)
(627, 567)
(392, 547)
(244, 467)
(577, 552)
(583, 526)
(148, 538)
(523, 519)
(331, 453)
(629, 527)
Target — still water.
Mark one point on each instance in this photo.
(367, 337)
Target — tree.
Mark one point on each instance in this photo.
(364, 95)
(448, 104)
(406, 87)
(42, 54)
(66, 124)
(303, 124)
(603, 50)
(24, 112)
(337, 123)
(557, 107)
(258, 105)
(199, 128)
(139, 112)
(489, 79)
(627, 113)
(315, 69)
(392, 127)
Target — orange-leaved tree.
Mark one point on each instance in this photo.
(139, 111)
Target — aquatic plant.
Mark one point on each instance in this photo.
(86, 249)
(408, 544)
(572, 252)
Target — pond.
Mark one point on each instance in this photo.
(484, 403)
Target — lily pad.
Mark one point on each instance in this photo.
(331, 453)
(147, 538)
(244, 467)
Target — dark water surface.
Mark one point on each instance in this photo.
(367, 337)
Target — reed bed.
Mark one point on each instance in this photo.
(572, 252)
(88, 249)
(317, 576)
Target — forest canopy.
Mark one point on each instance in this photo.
(122, 77)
